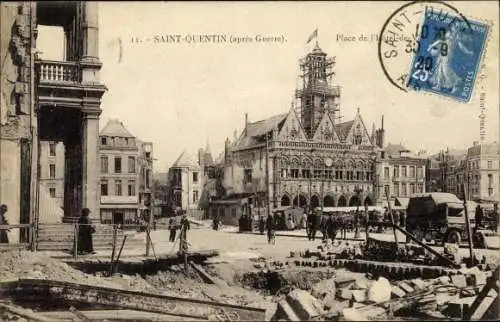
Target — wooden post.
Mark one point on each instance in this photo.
(367, 215)
(75, 248)
(113, 250)
(115, 266)
(467, 224)
(392, 218)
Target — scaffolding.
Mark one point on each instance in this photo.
(316, 94)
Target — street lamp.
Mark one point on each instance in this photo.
(358, 190)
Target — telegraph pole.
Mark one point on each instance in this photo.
(268, 201)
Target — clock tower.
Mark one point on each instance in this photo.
(317, 94)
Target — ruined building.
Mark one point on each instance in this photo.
(57, 101)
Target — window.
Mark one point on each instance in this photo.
(131, 164)
(420, 172)
(52, 192)
(247, 176)
(386, 172)
(195, 196)
(403, 171)
(104, 141)
(284, 173)
(148, 179)
(233, 212)
(396, 189)
(396, 171)
(52, 171)
(118, 187)
(404, 192)
(490, 164)
(195, 177)
(104, 187)
(294, 173)
(490, 180)
(420, 187)
(412, 188)
(350, 175)
(104, 164)
(329, 174)
(131, 187)
(317, 174)
(118, 165)
(52, 149)
(338, 175)
(306, 173)
(412, 172)
(359, 175)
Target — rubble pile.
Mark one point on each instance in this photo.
(30, 265)
(352, 297)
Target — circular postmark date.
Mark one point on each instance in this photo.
(406, 31)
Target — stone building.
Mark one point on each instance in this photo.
(477, 168)
(52, 170)
(304, 157)
(403, 173)
(18, 130)
(483, 172)
(120, 174)
(186, 180)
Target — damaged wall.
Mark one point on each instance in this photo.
(16, 101)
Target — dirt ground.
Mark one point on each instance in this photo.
(241, 258)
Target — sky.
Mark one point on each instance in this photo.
(181, 95)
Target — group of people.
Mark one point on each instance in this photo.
(328, 225)
(483, 220)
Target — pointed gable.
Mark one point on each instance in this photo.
(326, 130)
(292, 129)
(115, 128)
(357, 134)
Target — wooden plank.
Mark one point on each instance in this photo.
(491, 284)
(204, 275)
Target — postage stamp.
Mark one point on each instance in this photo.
(448, 55)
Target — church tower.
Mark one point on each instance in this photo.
(317, 94)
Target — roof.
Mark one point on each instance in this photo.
(343, 129)
(440, 197)
(393, 149)
(115, 128)
(186, 160)
(259, 128)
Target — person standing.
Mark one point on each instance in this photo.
(4, 237)
(478, 216)
(496, 217)
(85, 231)
(271, 237)
(314, 225)
(262, 225)
(173, 229)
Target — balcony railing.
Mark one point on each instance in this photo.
(59, 71)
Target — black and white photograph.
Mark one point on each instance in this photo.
(249, 161)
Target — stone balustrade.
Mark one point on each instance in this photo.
(59, 72)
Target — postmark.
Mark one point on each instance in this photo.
(448, 55)
(401, 44)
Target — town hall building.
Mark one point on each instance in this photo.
(304, 157)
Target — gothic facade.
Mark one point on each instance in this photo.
(306, 157)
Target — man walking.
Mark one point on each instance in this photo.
(332, 228)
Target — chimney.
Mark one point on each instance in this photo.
(382, 122)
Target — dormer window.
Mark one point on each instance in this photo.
(104, 141)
